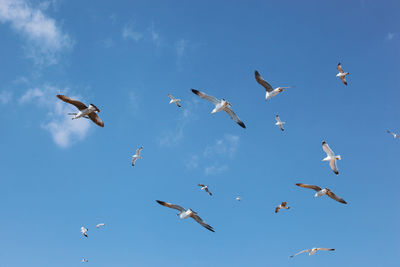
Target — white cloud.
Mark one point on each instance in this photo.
(213, 170)
(63, 130)
(129, 33)
(192, 162)
(155, 36)
(225, 146)
(5, 97)
(180, 47)
(390, 36)
(45, 40)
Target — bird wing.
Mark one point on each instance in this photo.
(234, 117)
(96, 119)
(169, 205)
(306, 250)
(202, 185)
(277, 118)
(284, 204)
(316, 188)
(339, 68)
(200, 221)
(335, 197)
(277, 209)
(138, 150)
(326, 249)
(208, 191)
(389, 132)
(333, 166)
(263, 82)
(133, 161)
(170, 96)
(343, 78)
(178, 104)
(206, 97)
(78, 104)
(327, 149)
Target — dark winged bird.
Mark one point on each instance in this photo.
(269, 90)
(321, 192)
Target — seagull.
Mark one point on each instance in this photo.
(330, 156)
(282, 206)
(321, 192)
(395, 135)
(238, 198)
(84, 231)
(84, 260)
(84, 111)
(269, 91)
(100, 225)
(279, 123)
(205, 188)
(220, 105)
(312, 251)
(137, 155)
(183, 214)
(174, 100)
(341, 73)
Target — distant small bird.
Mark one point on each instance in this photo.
(330, 156)
(279, 123)
(321, 192)
(84, 260)
(184, 214)
(174, 100)
(282, 206)
(205, 188)
(312, 251)
(395, 135)
(84, 111)
(100, 225)
(84, 231)
(220, 105)
(238, 198)
(136, 156)
(341, 73)
(269, 90)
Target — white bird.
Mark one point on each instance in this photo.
(84, 111)
(238, 198)
(331, 157)
(342, 74)
(220, 105)
(269, 90)
(321, 192)
(312, 251)
(184, 214)
(100, 225)
(395, 135)
(279, 123)
(84, 231)
(283, 205)
(174, 100)
(205, 188)
(136, 156)
(84, 260)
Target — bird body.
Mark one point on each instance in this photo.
(100, 225)
(205, 188)
(395, 135)
(279, 123)
(321, 192)
(84, 231)
(269, 90)
(312, 251)
(283, 205)
(84, 260)
(331, 157)
(174, 100)
(137, 155)
(342, 75)
(238, 198)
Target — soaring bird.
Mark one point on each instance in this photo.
(205, 188)
(395, 135)
(84, 260)
(174, 100)
(100, 225)
(137, 155)
(312, 251)
(84, 231)
(283, 205)
(279, 123)
(184, 214)
(238, 198)
(220, 105)
(341, 73)
(84, 111)
(321, 192)
(331, 157)
(269, 91)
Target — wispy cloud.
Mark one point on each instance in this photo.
(180, 47)
(129, 33)
(390, 36)
(5, 97)
(214, 169)
(225, 146)
(44, 39)
(155, 36)
(63, 130)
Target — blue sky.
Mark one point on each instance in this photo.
(125, 57)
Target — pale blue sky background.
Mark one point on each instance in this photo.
(125, 57)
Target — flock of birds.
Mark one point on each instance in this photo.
(90, 112)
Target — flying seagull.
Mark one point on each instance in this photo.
(205, 188)
(282, 206)
(100, 225)
(137, 155)
(84, 260)
(84, 111)
(341, 73)
(279, 123)
(321, 192)
(183, 214)
(312, 251)
(174, 100)
(395, 135)
(84, 231)
(269, 91)
(331, 157)
(238, 198)
(220, 105)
